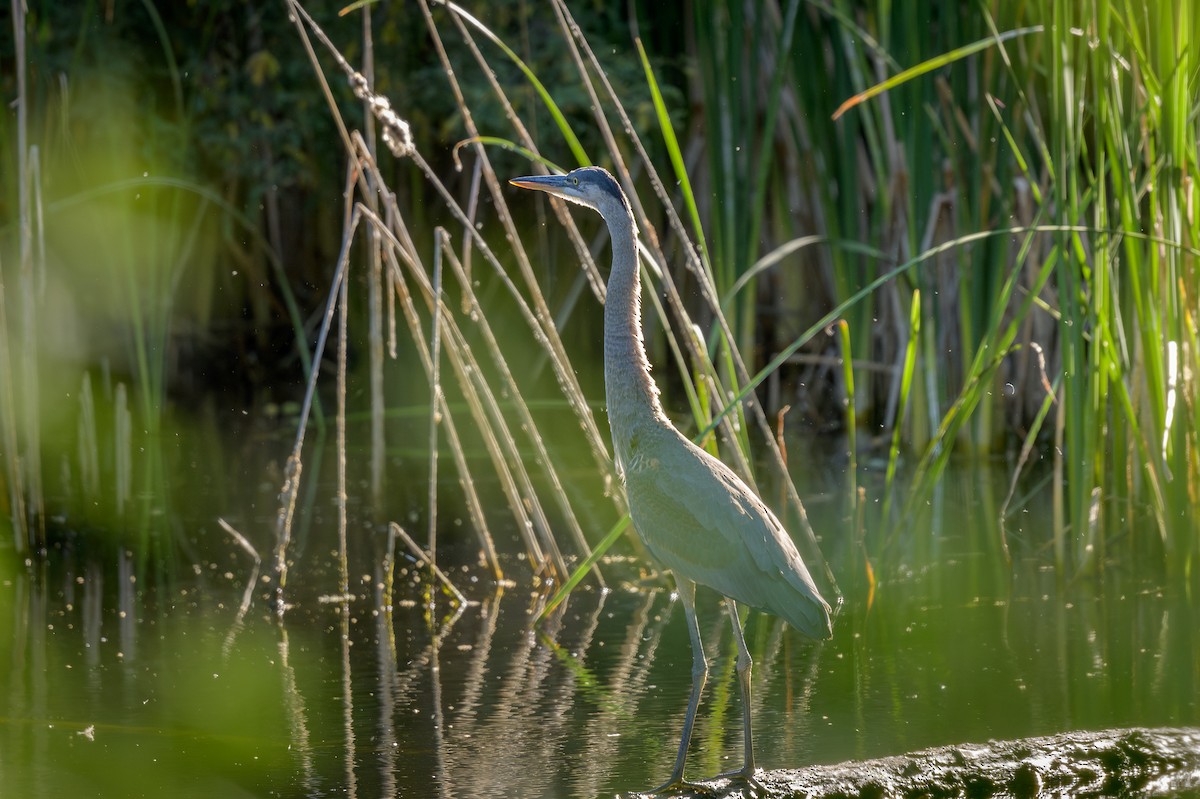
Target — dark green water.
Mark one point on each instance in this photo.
(109, 687)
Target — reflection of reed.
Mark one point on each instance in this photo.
(29, 685)
(385, 662)
(1180, 660)
(575, 686)
(398, 694)
(495, 755)
(798, 716)
(477, 665)
(348, 702)
(626, 687)
(93, 614)
(297, 716)
(546, 705)
(507, 706)
(439, 717)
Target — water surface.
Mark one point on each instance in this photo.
(111, 687)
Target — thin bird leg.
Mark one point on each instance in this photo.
(743, 669)
(687, 595)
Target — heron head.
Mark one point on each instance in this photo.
(592, 186)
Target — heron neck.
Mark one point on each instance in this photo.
(632, 396)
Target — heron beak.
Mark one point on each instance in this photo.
(551, 184)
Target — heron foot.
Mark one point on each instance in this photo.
(745, 776)
(680, 785)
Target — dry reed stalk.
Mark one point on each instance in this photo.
(375, 286)
(478, 393)
(294, 469)
(399, 532)
(545, 334)
(252, 580)
(399, 290)
(343, 303)
(528, 519)
(435, 391)
(537, 311)
(586, 258)
(527, 422)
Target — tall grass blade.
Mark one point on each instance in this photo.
(930, 65)
(907, 371)
(611, 538)
(851, 419)
(674, 152)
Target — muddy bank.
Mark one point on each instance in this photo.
(1124, 763)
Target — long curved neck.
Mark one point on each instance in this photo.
(631, 394)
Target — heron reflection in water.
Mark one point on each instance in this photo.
(693, 513)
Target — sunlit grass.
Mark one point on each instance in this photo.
(1077, 125)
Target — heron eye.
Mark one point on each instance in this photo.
(575, 181)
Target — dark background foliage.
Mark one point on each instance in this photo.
(222, 95)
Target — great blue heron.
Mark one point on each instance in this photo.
(693, 513)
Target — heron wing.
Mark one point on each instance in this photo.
(706, 525)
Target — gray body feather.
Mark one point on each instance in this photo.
(700, 520)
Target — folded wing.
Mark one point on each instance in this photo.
(706, 525)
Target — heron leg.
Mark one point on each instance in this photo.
(687, 595)
(744, 664)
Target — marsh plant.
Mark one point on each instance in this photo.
(952, 231)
